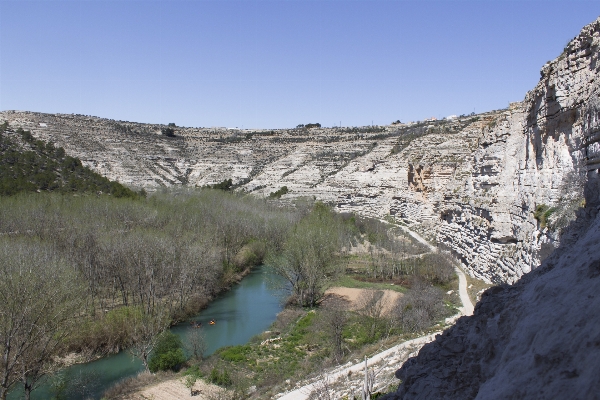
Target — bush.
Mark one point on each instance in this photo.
(235, 353)
(542, 213)
(250, 255)
(435, 268)
(169, 131)
(279, 193)
(221, 378)
(225, 185)
(168, 353)
(420, 307)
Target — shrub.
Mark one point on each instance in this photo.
(542, 213)
(235, 353)
(225, 185)
(169, 131)
(435, 268)
(221, 378)
(279, 193)
(250, 255)
(420, 307)
(168, 353)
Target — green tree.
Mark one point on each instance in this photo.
(308, 254)
(167, 354)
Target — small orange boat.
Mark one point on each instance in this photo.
(212, 322)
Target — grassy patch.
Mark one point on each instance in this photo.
(475, 286)
(542, 214)
(235, 353)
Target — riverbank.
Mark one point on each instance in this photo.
(237, 320)
(347, 381)
(85, 353)
(298, 344)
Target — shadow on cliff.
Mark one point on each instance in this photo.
(537, 338)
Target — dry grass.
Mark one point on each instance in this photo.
(474, 287)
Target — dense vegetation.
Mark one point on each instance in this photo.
(109, 269)
(30, 165)
(139, 263)
(167, 354)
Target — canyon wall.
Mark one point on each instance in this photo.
(538, 338)
(471, 184)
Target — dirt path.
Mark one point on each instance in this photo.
(467, 306)
(303, 392)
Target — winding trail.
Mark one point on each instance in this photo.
(303, 392)
(467, 308)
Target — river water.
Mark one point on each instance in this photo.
(246, 310)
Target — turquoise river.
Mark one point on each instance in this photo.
(248, 309)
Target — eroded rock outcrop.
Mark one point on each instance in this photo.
(472, 184)
(538, 338)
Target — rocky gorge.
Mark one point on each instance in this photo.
(513, 194)
(467, 184)
(538, 338)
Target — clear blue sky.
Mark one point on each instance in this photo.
(276, 64)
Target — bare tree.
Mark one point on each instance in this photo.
(196, 343)
(39, 296)
(371, 305)
(322, 388)
(145, 333)
(333, 321)
(420, 307)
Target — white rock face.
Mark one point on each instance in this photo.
(538, 338)
(472, 184)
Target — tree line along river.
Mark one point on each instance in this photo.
(248, 309)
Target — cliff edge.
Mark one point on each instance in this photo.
(540, 337)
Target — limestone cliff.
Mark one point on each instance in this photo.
(474, 184)
(538, 338)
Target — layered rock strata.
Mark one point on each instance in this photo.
(472, 184)
(538, 338)
(411, 173)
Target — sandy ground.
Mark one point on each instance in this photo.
(175, 390)
(352, 296)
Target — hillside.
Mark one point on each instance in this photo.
(422, 174)
(32, 165)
